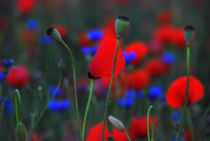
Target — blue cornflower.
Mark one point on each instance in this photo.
(45, 40)
(139, 95)
(155, 93)
(169, 58)
(1, 77)
(52, 91)
(58, 106)
(7, 104)
(176, 116)
(130, 94)
(95, 35)
(129, 57)
(32, 24)
(128, 103)
(89, 51)
(8, 63)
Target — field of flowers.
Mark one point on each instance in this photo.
(104, 70)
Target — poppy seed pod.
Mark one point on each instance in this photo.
(116, 123)
(54, 34)
(121, 24)
(20, 132)
(189, 33)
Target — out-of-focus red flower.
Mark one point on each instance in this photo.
(139, 48)
(138, 128)
(188, 135)
(156, 67)
(177, 91)
(25, 6)
(95, 134)
(28, 36)
(35, 137)
(155, 47)
(179, 39)
(107, 80)
(1, 68)
(164, 17)
(18, 77)
(109, 30)
(84, 41)
(102, 63)
(135, 80)
(62, 30)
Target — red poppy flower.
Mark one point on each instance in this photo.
(95, 134)
(135, 80)
(177, 91)
(102, 63)
(179, 39)
(25, 6)
(164, 34)
(109, 30)
(188, 135)
(35, 137)
(61, 30)
(107, 80)
(164, 17)
(18, 77)
(138, 128)
(156, 67)
(84, 41)
(139, 48)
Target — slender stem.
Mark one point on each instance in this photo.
(148, 126)
(190, 124)
(153, 127)
(87, 109)
(75, 83)
(16, 108)
(110, 87)
(129, 139)
(187, 92)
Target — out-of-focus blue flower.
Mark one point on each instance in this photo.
(155, 93)
(7, 104)
(128, 103)
(139, 95)
(45, 40)
(32, 24)
(89, 51)
(169, 58)
(130, 94)
(1, 77)
(95, 35)
(176, 116)
(8, 63)
(129, 57)
(52, 91)
(58, 106)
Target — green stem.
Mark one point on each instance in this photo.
(129, 139)
(110, 87)
(75, 83)
(18, 104)
(153, 126)
(148, 125)
(16, 109)
(87, 109)
(187, 92)
(190, 124)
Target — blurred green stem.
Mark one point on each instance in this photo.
(110, 88)
(87, 109)
(18, 104)
(190, 124)
(75, 83)
(129, 139)
(187, 92)
(148, 123)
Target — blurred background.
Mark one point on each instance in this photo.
(83, 24)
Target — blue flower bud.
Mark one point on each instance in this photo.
(155, 92)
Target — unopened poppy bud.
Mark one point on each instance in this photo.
(54, 34)
(20, 132)
(189, 33)
(121, 24)
(116, 123)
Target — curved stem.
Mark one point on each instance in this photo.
(148, 125)
(129, 139)
(110, 88)
(187, 92)
(75, 83)
(87, 109)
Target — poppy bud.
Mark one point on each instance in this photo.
(54, 34)
(189, 33)
(121, 24)
(20, 132)
(116, 123)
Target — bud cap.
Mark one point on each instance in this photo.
(121, 24)
(54, 34)
(189, 33)
(20, 132)
(116, 123)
